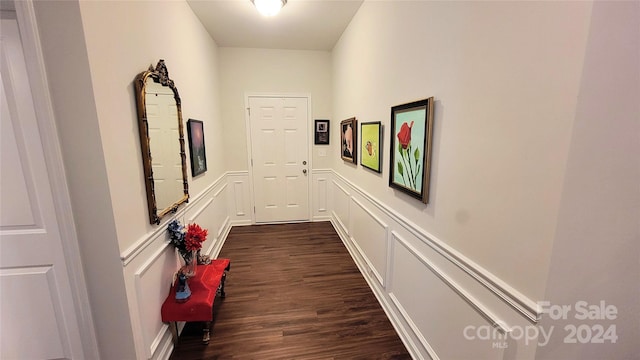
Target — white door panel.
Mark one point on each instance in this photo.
(279, 151)
(37, 312)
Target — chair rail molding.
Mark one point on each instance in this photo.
(406, 266)
(518, 301)
(132, 251)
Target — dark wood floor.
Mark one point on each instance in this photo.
(293, 292)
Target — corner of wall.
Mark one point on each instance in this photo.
(594, 261)
(64, 53)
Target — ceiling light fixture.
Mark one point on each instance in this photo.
(269, 7)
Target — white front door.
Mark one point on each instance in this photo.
(37, 314)
(279, 154)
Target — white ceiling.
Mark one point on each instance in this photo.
(300, 25)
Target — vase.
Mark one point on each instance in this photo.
(191, 264)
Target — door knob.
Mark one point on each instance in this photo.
(304, 162)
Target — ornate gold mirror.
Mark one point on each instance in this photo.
(162, 142)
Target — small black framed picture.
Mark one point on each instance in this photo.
(322, 132)
(195, 130)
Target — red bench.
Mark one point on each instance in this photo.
(208, 281)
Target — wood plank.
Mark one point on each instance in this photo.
(293, 292)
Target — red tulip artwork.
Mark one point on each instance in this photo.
(411, 147)
(404, 136)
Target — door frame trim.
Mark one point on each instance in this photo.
(36, 71)
(248, 95)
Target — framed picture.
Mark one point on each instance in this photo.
(411, 138)
(370, 145)
(322, 132)
(349, 139)
(195, 130)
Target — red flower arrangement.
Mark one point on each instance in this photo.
(194, 237)
(186, 240)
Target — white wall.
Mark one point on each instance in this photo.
(270, 71)
(147, 32)
(74, 106)
(597, 242)
(505, 78)
(91, 66)
(535, 173)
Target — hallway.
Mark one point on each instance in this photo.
(293, 292)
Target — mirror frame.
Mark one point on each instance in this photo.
(159, 75)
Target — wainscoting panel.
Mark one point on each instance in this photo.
(320, 180)
(151, 263)
(436, 299)
(239, 195)
(221, 220)
(341, 201)
(422, 296)
(369, 235)
(148, 276)
(239, 198)
(151, 288)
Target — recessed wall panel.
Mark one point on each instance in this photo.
(425, 300)
(341, 200)
(370, 235)
(152, 288)
(239, 198)
(322, 195)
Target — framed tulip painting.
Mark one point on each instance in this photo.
(370, 135)
(411, 138)
(349, 139)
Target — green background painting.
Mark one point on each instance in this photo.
(370, 157)
(418, 117)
